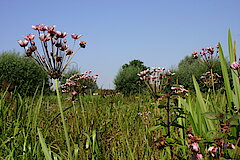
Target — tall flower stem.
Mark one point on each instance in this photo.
(168, 117)
(63, 121)
(212, 81)
(169, 125)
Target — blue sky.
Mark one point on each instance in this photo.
(157, 32)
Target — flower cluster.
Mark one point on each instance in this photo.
(159, 81)
(155, 74)
(209, 79)
(235, 65)
(79, 83)
(156, 78)
(193, 145)
(180, 90)
(207, 55)
(55, 55)
(216, 151)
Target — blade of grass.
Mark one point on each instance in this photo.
(202, 108)
(63, 121)
(236, 84)
(223, 63)
(44, 146)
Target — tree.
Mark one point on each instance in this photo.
(127, 81)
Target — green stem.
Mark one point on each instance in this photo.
(168, 118)
(63, 121)
(212, 82)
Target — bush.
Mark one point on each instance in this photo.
(127, 81)
(21, 74)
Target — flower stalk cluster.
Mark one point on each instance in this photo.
(159, 82)
(215, 151)
(211, 79)
(55, 55)
(79, 83)
(157, 79)
(207, 56)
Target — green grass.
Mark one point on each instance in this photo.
(98, 127)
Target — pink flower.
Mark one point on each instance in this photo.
(75, 36)
(194, 147)
(29, 37)
(74, 93)
(51, 30)
(199, 156)
(35, 27)
(212, 150)
(23, 43)
(44, 37)
(235, 65)
(39, 27)
(194, 53)
(60, 34)
(42, 27)
(195, 56)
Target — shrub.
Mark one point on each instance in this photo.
(20, 73)
(127, 81)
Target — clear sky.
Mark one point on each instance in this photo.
(157, 32)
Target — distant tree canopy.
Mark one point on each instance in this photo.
(127, 81)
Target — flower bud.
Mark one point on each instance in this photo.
(59, 59)
(82, 44)
(69, 52)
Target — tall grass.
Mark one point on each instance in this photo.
(98, 128)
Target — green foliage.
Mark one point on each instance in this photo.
(188, 67)
(20, 73)
(127, 79)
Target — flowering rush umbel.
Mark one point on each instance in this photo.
(155, 75)
(79, 83)
(206, 55)
(54, 55)
(159, 81)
